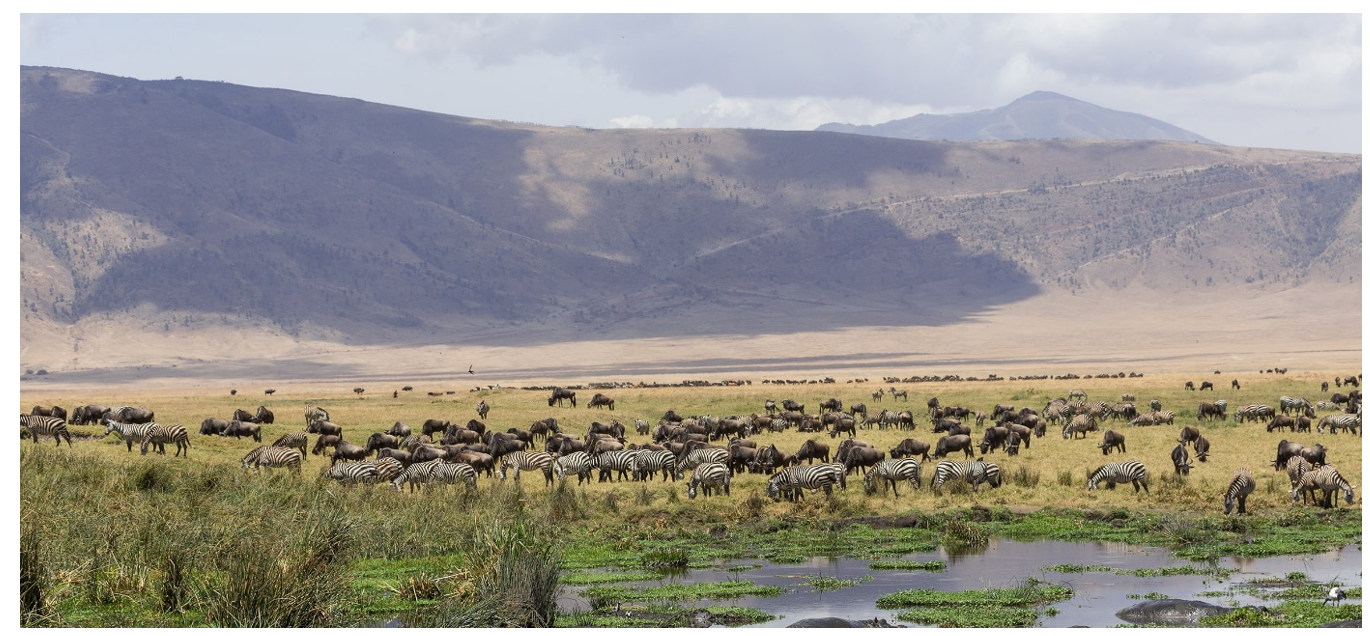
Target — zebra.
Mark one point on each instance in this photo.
(435, 471)
(713, 476)
(1329, 406)
(649, 463)
(901, 393)
(41, 425)
(1296, 466)
(1341, 421)
(526, 460)
(314, 414)
(578, 463)
(1081, 424)
(160, 434)
(700, 456)
(387, 468)
(273, 457)
(641, 426)
(1243, 484)
(972, 472)
(1292, 404)
(893, 471)
(1116, 472)
(841, 473)
(621, 462)
(792, 481)
(298, 440)
(1257, 412)
(1078, 393)
(1327, 479)
(1163, 417)
(349, 473)
(130, 433)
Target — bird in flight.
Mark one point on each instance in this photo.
(471, 369)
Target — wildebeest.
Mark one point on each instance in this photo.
(1201, 448)
(791, 405)
(1188, 434)
(1180, 458)
(810, 451)
(544, 428)
(323, 427)
(862, 457)
(434, 427)
(400, 430)
(324, 441)
(614, 429)
(1209, 411)
(995, 437)
(952, 443)
(830, 405)
(1189, 386)
(238, 428)
(1112, 440)
(1206, 385)
(244, 416)
(265, 416)
(132, 415)
(378, 441)
(910, 448)
(600, 401)
(559, 394)
(90, 413)
(213, 426)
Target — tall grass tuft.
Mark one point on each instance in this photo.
(516, 571)
(33, 577)
(958, 534)
(1065, 478)
(1023, 477)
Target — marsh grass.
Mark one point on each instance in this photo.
(996, 607)
(931, 566)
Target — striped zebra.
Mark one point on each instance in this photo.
(621, 462)
(436, 471)
(792, 481)
(525, 460)
(649, 463)
(893, 471)
(1296, 466)
(700, 456)
(1328, 480)
(298, 440)
(387, 468)
(1078, 393)
(1120, 472)
(1329, 406)
(578, 463)
(1081, 424)
(972, 472)
(160, 434)
(1163, 417)
(713, 476)
(1243, 484)
(313, 414)
(1293, 405)
(1256, 412)
(1341, 421)
(273, 457)
(349, 473)
(130, 433)
(41, 425)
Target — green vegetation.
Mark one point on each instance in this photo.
(823, 583)
(1287, 614)
(653, 615)
(1182, 570)
(600, 578)
(603, 595)
(1007, 607)
(1075, 568)
(907, 565)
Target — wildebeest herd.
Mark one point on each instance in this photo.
(715, 450)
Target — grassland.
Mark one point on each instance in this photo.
(112, 538)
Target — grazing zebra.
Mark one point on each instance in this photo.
(893, 471)
(273, 457)
(350, 473)
(314, 414)
(1329, 406)
(435, 471)
(1117, 472)
(293, 440)
(578, 463)
(700, 456)
(1081, 424)
(41, 425)
(1342, 421)
(1296, 467)
(649, 463)
(130, 433)
(160, 434)
(1292, 404)
(387, 468)
(1163, 417)
(642, 426)
(1328, 480)
(712, 476)
(1257, 412)
(792, 481)
(972, 472)
(526, 460)
(621, 462)
(1243, 484)
(1078, 393)
(901, 393)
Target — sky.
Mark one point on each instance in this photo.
(1260, 80)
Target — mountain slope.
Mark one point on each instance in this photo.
(185, 207)
(1038, 115)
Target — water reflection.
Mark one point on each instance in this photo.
(1003, 563)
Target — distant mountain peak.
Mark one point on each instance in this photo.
(1037, 115)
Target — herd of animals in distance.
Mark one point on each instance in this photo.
(716, 449)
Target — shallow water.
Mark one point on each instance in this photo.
(1004, 563)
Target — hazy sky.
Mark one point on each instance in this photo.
(1282, 81)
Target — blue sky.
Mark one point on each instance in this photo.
(1282, 81)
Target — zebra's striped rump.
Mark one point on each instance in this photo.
(713, 476)
(435, 471)
(1243, 484)
(160, 434)
(792, 481)
(578, 463)
(1120, 472)
(130, 433)
(892, 471)
(525, 460)
(43, 425)
(972, 472)
(273, 457)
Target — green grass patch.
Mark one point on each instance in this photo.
(825, 583)
(604, 595)
(1182, 570)
(1032, 592)
(931, 566)
(601, 578)
(732, 615)
(1287, 614)
(1073, 568)
(957, 617)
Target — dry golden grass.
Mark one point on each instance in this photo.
(1048, 460)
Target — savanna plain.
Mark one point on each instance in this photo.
(110, 537)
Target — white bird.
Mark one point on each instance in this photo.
(1335, 595)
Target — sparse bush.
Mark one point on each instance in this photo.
(1065, 478)
(1023, 477)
